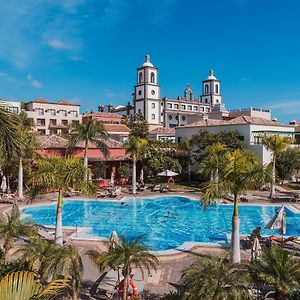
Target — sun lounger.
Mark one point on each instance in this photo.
(116, 192)
(164, 189)
(104, 193)
(156, 188)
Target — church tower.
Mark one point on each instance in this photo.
(146, 96)
(211, 91)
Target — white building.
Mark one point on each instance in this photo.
(250, 130)
(12, 106)
(171, 112)
(52, 117)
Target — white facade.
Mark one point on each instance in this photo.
(12, 106)
(250, 134)
(52, 117)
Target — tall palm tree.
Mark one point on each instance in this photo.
(11, 227)
(278, 268)
(26, 286)
(91, 132)
(10, 139)
(215, 278)
(30, 143)
(241, 171)
(187, 146)
(136, 147)
(214, 161)
(276, 144)
(128, 255)
(59, 174)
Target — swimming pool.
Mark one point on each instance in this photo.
(148, 218)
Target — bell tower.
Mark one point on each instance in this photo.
(146, 96)
(211, 90)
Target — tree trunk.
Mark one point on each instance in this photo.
(235, 253)
(58, 224)
(75, 293)
(272, 190)
(20, 180)
(189, 173)
(8, 184)
(126, 283)
(134, 175)
(85, 163)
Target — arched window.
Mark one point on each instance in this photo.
(152, 79)
(217, 89)
(206, 89)
(140, 77)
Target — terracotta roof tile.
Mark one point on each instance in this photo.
(163, 130)
(116, 128)
(102, 114)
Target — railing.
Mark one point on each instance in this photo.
(249, 109)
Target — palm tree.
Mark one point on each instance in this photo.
(276, 144)
(136, 147)
(11, 227)
(216, 157)
(241, 171)
(215, 278)
(91, 132)
(59, 174)
(128, 255)
(278, 268)
(187, 146)
(26, 286)
(30, 143)
(10, 139)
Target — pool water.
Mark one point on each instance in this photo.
(148, 218)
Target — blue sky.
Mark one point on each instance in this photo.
(87, 51)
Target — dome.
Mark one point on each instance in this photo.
(211, 75)
(147, 62)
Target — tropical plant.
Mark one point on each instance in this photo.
(91, 132)
(127, 254)
(241, 171)
(187, 146)
(136, 147)
(11, 227)
(276, 144)
(214, 161)
(10, 139)
(139, 127)
(26, 286)
(215, 278)
(278, 268)
(59, 174)
(125, 170)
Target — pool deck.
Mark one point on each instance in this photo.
(171, 263)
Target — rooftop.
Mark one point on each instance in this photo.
(163, 130)
(60, 102)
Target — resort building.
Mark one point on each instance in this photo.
(52, 117)
(162, 134)
(12, 106)
(112, 124)
(250, 130)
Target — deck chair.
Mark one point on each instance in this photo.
(156, 188)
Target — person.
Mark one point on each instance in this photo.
(255, 233)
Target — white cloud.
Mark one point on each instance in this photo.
(7, 78)
(286, 107)
(58, 44)
(245, 78)
(35, 83)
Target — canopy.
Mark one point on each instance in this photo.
(3, 184)
(278, 221)
(256, 249)
(167, 173)
(114, 240)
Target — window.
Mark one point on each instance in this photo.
(177, 118)
(73, 112)
(140, 92)
(179, 140)
(139, 111)
(183, 118)
(63, 112)
(52, 122)
(201, 108)
(176, 106)
(64, 122)
(153, 116)
(241, 138)
(152, 78)
(195, 108)
(141, 77)
(170, 117)
(40, 122)
(207, 109)
(217, 89)
(41, 131)
(12, 109)
(52, 112)
(182, 106)
(75, 122)
(40, 111)
(206, 89)
(153, 105)
(189, 107)
(169, 105)
(206, 100)
(54, 131)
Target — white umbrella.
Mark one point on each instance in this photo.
(3, 184)
(112, 178)
(278, 221)
(256, 249)
(142, 175)
(167, 173)
(114, 240)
